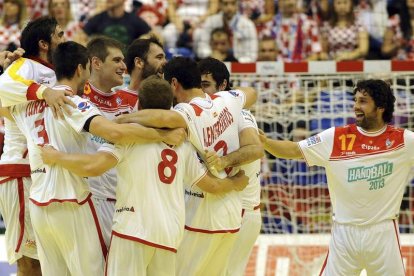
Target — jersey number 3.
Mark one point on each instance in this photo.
(169, 159)
(41, 133)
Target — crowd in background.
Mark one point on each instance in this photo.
(233, 30)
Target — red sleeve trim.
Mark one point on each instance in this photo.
(31, 92)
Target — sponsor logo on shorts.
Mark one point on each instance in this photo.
(39, 170)
(126, 209)
(196, 194)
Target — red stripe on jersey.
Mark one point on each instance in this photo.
(205, 231)
(350, 143)
(122, 236)
(198, 110)
(31, 92)
(15, 170)
(212, 96)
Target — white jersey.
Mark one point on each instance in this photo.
(212, 124)
(150, 201)
(17, 85)
(111, 105)
(22, 79)
(366, 172)
(36, 121)
(251, 194)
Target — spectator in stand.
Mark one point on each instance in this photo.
(61, 11)
(259, 11)
(36, 8)
(241, 29)
(372, 14)
(398, 37)
(296, 35)
(318, 10)
(220, 45)
(343, 38)
(154, 13)
(267, 50)
(116, 23)
(185, 16)
(11, 23)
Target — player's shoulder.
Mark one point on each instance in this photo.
(233, 93)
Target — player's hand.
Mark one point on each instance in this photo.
(48, 154)
(240, 181)
(56, 100)
(213, 161)
(12, 56)
(174, 137)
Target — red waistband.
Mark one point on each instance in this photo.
(15, 170)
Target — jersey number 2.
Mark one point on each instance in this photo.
(169, 160)
(222, 145)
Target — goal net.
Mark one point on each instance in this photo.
(297, 101)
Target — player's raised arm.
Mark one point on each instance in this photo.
(133, 133)
(214, 185)
(158, 118)
(281, 148)
(85, 165)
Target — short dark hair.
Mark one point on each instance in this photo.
(139, 48)
(41, 28)
(217, 69)
(66, 58)
(98, 46)
(381, 93)
(185, 70)
(155, 93)
(219, 30)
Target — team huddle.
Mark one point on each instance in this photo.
(163, 177)
(104, 188)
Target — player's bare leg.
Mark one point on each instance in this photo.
(28, 267)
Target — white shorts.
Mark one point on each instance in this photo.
(68, 239)
(249, 231)
(375, 248)
(128, 257)
(105, 210)
(204, 254)
(14, 200)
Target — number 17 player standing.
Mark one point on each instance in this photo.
(367, 165)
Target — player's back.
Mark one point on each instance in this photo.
(36, 121)
(150, 199)
(213, 124)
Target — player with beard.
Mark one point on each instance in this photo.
(367, 166)
(62, 212)
(145, 57)
(19, 83)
